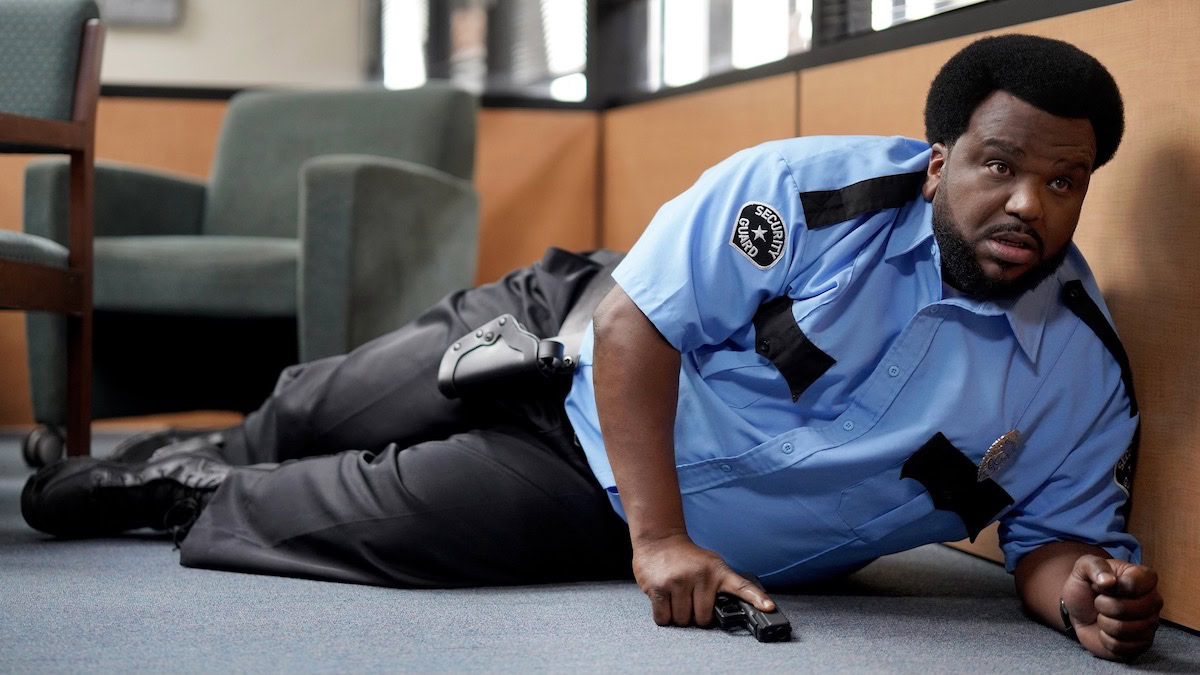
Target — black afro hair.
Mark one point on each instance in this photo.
(1049, 74)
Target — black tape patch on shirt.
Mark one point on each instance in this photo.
(780, 340)
(1076, 298)
(952, 481)
(760, 234)
(1078, 301)
(829, 207)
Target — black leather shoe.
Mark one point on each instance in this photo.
(144, 447)
(88, 497)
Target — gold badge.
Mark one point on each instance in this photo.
(1001, 450)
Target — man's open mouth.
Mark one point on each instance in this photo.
(1013, 248)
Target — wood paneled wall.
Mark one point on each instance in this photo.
(653, 151)
(536, 175)
(1139, 231)
(15, 407)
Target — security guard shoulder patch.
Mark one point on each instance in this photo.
(759, 234)
(1123, 473)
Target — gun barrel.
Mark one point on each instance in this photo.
(734, 613)
(770, 626)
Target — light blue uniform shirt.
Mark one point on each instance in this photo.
(799, 479)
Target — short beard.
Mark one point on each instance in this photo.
(961, 269)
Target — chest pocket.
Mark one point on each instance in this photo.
(778, 337)
(881, 504)
(738, 378)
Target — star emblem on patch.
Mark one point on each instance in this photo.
(759, 234)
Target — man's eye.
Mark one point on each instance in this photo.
(1060, 184)
(999, 168)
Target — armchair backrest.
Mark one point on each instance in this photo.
(39, 45)
(255, 183)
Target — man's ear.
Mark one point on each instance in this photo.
(933, 175)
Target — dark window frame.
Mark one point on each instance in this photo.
(617, 87)
(614, 57)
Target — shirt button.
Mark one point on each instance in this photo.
(848, 425)
(935, 310)
(787, 448)
(726, 468)
(894, 371)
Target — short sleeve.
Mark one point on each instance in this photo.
(1082, 500)
(713, 254)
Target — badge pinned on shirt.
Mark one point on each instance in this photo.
(759, 234)
(1001, 450)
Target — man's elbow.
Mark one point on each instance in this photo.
(615, 316)
(618, 324)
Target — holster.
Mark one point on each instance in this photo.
(502, 352)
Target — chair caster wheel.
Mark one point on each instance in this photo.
(43, 446)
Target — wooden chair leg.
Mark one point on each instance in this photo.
(79, 326)
(79, 384)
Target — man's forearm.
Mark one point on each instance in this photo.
(636, 378)
(1041, 574)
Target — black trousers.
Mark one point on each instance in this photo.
(361, 471)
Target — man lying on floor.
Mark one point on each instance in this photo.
(825, 351)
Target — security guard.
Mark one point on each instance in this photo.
(813, 369)
(825, 351)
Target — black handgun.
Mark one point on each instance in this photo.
(734, 613)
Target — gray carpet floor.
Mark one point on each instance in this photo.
(125, 605)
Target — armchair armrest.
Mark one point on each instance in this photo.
(129, 201)
(380, 240)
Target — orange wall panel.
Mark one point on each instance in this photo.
(170, 134)
(653, 151)
(536, 172)
(15, 407)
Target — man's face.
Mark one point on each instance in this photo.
(1006, 196)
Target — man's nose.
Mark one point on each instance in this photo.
(1025, 202)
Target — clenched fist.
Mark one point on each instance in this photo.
(1114, 606)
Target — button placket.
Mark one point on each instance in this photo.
(885, 384)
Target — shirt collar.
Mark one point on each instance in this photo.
(915, 227)
(1026, 315)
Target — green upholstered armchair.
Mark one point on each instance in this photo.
(329, 219)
